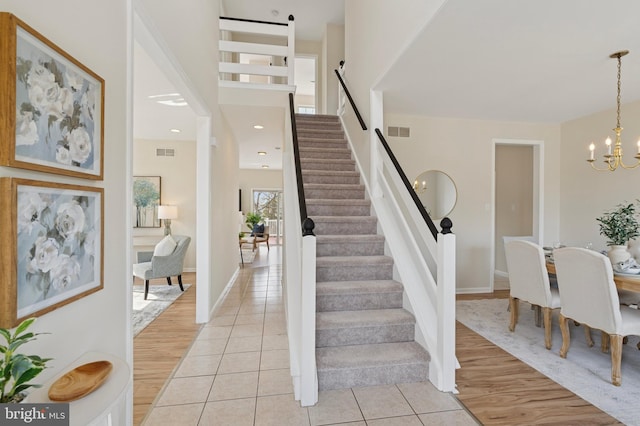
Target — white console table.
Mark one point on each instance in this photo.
(97, 407)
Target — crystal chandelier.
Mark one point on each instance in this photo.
(614, 159)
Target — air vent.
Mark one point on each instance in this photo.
(401, 132)
(165, 152)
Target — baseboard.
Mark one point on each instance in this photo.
(189, 270)
(473, 290)
(502, 274)
(224, 294)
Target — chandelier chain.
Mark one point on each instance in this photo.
(618, 98)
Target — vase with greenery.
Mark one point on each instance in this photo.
(17, 369)
(619, 225)
(253, 219)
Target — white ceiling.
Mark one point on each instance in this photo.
(508, 60)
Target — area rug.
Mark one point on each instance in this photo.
(158, 299)
(247, 256)
(585, 372)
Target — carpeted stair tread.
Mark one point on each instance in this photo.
(313, 152)
(310, 164)
(358, 295)
(363, 318)
(345, 288)
(345, 225)
(342, 367)
(330, 176)
(341, 239)
(328, 261)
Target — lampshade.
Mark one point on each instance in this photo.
(167, 212)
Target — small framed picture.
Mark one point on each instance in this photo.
(52, 106)
(53, 249)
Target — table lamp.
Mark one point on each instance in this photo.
(167, 213)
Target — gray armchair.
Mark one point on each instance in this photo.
(150, 266)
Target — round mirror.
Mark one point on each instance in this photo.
(437, 192)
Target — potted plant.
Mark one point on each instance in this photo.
(17, 369)
(253, 219)
(619, 226)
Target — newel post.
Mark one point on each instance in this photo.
(446, 289)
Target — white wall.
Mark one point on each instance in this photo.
(332, 54)
(463, 149)
(177, 187)
(586, 193)
(189, 32)
(85, 30)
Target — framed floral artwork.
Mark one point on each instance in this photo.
(52, 106)
(52, 249)
(146, 199)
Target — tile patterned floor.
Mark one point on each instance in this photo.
(237, 373)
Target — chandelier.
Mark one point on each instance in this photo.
(614, 160)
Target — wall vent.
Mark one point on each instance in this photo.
(400, 132)
(165, 152)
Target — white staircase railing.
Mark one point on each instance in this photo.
(299, 262)
(248, 57)
(424, 259)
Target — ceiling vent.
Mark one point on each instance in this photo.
(165, 152)
(400, 132)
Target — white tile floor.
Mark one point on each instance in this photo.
(237, 373)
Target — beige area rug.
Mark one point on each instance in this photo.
(160, 297)
(247, 255)
(586, 371)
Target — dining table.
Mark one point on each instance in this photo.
(623, 281)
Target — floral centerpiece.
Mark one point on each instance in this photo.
(620, 225)
(16, 369)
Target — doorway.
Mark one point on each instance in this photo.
(268, 203)
(305, 81)
(517, 199)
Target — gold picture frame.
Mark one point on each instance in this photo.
(52, 106)
(53, 249)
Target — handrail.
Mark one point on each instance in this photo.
(351, 101)
(307, 223)
(407, 184)
(256, 21)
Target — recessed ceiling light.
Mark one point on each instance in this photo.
(175, 130)
(259, 127)
(262, 152)
(264, 166)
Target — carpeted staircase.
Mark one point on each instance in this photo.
(363, 335)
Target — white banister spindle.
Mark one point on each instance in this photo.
(291, 56)
(446, 279)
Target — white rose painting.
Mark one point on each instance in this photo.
(58, 107)
(58, 252)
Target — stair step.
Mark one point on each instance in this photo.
(350, 268)
(309, 164)
(323, 143)
(349, 245)
(333, 207)
(342, 367)
(342, 328)
(333, 191)
(358, 295)
(325, 153)
(314, 118)
(324, 134)
(332, 176)
(345, 225)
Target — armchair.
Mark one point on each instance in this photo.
(261, 237)
(152, 266)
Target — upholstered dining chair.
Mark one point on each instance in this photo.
(529, 281)
(588, 295)
(164, 262)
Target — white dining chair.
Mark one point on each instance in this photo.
(529, 281)
(588, 295)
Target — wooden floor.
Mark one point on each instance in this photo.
(494, 386)
(159, 347)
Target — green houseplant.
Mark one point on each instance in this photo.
(620, 224)
(17, 369)
(253, 219)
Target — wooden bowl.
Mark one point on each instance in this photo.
(80, 381)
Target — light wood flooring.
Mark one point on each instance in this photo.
(494, 386)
